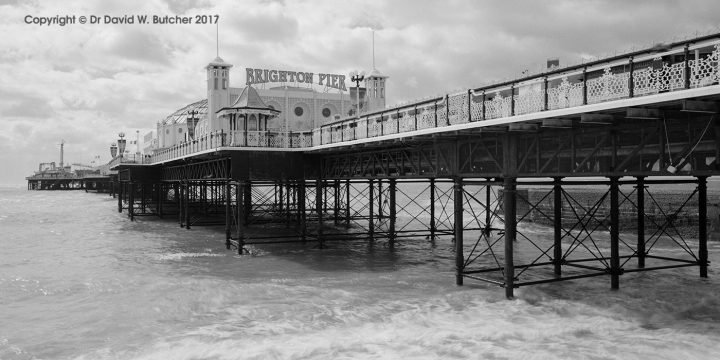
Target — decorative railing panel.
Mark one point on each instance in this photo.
(565, 95)
(608, 87)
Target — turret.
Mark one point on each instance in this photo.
(218, 90)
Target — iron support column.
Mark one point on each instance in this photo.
(120, 196)
(371, 211)
(347, 203)
(458, 212)
(509, 210)
(301, 210)
(488, 226)
(187, 206)
(240, 216)
(160, 197)
(336, 202)
(641, 221)
(614, 234)
(228, 217)
(391, 189)
(702, 231)
(131, 201)
(247, 201)
(557, 220)
(432, 209)
(179, 197)
(319, 202)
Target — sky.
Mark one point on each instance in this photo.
(85, 83)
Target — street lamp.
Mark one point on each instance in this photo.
(357, 78)
(113, 150)
(121, 144)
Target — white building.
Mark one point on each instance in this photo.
(302, 107)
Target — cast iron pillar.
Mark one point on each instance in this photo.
(319, 204)
(247, 201)
(614, 234)
(392, 210)
(371, 210)
(347, 203)
(510, 172)
(458, 212)
(557, 220)
(432, 209)
(240, 216)
(336, 202)
(187, 205)
(179, 200)
(228, 215)
(120, 196)
(488, 220)
(509, 197)
(131, 201)
(301, 210)
(702, 223)
(641, 221)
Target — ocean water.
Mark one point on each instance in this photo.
(78, 280)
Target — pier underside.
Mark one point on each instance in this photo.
(597, 185)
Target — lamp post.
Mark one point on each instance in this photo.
(113, 150)
(121, 144)
(357, 78)
(191, 121)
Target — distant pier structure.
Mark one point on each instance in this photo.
(49, 176)
(454, 167)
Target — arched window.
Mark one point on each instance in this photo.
(216, 83)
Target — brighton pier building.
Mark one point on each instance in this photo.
(272, 103)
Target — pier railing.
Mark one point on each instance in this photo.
(663, 68)
(235, 138)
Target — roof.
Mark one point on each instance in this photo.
(180, 116)
(218, 62)
(376, 73)
(249, 100)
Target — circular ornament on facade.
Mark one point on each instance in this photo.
(326, 112)
(298, 111)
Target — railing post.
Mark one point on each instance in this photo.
(545, 93)
(447, 109)
(382, 121)
(435, 113)
(631, 81)
(469, 106)
(367, 127)
(584, 79)
(483, 105)
(512, 99)
(416, 117)
(687, 66)
(702, 223)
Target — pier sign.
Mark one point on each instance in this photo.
(262, 76)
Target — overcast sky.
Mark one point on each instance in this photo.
(85, 83)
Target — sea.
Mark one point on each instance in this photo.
(78, 280)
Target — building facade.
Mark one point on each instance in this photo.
(301, 106)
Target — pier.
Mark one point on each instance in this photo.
(626, 125)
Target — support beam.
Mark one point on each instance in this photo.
(510, 212)
(347, 203)
(557, 220)
(320, 208)
(614, 233)
(240, 216)
(458, 198)
(247, 201)
(188, 190)
(228, 214)
(702, 223)
(301, 210)
(371, 210)
(392, 210)
(432, 209)
(641, 221)
(131, 201)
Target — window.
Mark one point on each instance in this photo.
(216, 83)
(180, 130)
(326, 112)
(298, 111)
(224, 84)
(167, 131)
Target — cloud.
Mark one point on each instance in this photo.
(87, 83)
